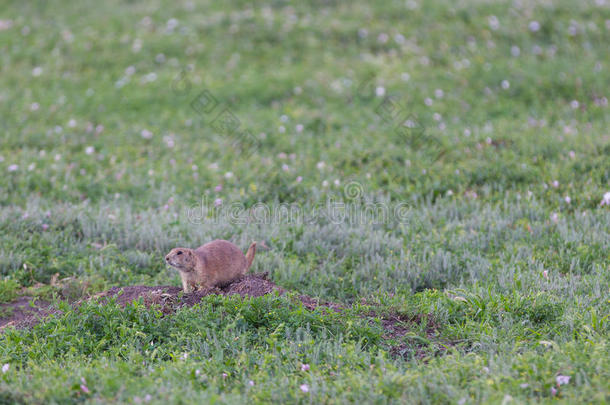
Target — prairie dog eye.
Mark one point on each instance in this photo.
(179, 252)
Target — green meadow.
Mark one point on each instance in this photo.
(445, 163)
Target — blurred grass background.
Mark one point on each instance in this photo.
(497, 150)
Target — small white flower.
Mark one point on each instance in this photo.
(405, 77)
(574, 104)
(218, 202)
(284, 118)
(545, 274)
(6, 24)
(282, 129)
(299, 179)
(228, 175)
(605, 199)
(567, 199)
(572, 154)
(572, 30)
(494, 24)
(172, 23)
(5, 368)
(130, 70)
(89, 150)
(146, 134)
(524, 385)
(534, 26)
(304, 367)
(438, 93)
(213, 166)
(505, 84)
(251, 383)
(325, 183)
(137, 45)
(428, 101)
(72, 123)
(563, 379)
(304, 387)
(380, 91)
(554, 217)
(555, 183)
(34, 107)
(320, 165)
(13, 168)
(299, 128)
(121, 82)
(37, 71)
(515, 51)
(337, 182)
(169, 141)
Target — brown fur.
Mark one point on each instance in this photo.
(216, 263)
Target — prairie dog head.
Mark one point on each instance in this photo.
(182, 259)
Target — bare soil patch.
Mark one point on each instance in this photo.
(23, 312)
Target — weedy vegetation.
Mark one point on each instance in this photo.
(444, 165)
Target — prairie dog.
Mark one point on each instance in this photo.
(216, 263)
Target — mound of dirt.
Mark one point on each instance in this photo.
(24, 312)
(170, 298)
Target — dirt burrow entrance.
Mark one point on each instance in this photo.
(24, 312)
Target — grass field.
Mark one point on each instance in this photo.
(445, 162)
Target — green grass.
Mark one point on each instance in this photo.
(493, 219)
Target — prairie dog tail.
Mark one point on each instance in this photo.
(250, 255)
